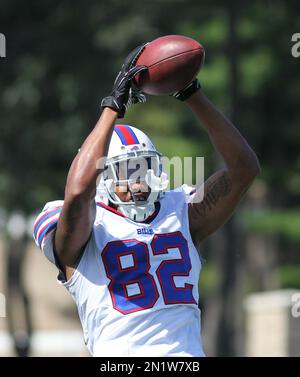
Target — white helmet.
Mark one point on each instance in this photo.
(129, 147)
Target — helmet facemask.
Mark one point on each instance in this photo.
(140, 173)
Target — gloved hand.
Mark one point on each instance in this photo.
(186, 92)
(123, 95)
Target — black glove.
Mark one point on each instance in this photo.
(186, 92)
(123, 95)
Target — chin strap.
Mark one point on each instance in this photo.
(137, 213)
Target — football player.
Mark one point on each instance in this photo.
(126, 248)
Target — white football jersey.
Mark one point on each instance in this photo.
(136, 285)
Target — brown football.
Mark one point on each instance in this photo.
(173, 61)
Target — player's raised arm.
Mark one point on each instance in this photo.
(224, 189)
(78, 213)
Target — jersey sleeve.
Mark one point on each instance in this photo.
(179, 198)
(44, 227)
(189, 192)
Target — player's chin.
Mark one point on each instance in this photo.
(140, 197)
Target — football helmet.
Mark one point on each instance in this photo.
(132, 158)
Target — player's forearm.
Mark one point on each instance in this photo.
(235, 151)
(85, 169)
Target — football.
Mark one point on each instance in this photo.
(173, 61)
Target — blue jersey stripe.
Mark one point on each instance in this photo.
(49, 227)
(38, 225)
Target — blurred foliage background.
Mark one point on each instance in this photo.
(62, 58)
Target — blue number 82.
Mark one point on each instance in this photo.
(136, 276)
